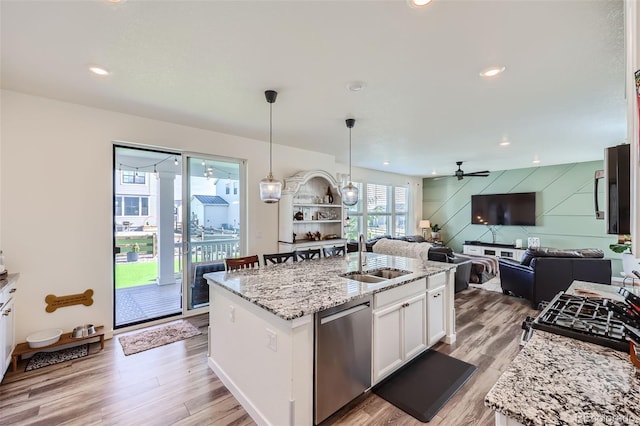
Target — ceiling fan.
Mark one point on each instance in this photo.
(460, 173)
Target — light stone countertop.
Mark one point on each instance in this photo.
(557, 380)
(293, 290)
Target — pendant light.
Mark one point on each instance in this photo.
(350, 191)
(270, 188)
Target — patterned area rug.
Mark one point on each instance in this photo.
(157, 336)
(43, 359)
(492, 285)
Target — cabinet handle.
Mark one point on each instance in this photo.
(13, 290)
(7, 312)
(437, 295)
(1, 305)
(404, 305)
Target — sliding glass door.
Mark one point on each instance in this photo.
(169, 231)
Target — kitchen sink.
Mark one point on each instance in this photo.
(388, 274)
(376, 276)
(364, 277)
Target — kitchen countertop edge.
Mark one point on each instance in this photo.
(418, 271)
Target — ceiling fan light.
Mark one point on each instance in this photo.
(350, 194)
(270, 189)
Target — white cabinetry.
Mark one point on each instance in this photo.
(7, 322)
(436, 308)
(511, 253)
(304, 209)
(399, 327)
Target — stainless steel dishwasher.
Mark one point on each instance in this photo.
(342, 356)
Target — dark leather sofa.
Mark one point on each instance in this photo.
(437, 254)
(199, 285)
(543, 272)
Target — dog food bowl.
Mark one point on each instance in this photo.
(43, 338)
(83, 331)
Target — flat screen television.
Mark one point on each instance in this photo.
(517, 208)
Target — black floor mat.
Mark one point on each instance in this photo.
(422, 387)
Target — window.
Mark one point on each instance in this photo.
(133, 177)
(386, 212)
(118, 206)
(132, 206)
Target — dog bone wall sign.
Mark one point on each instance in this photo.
(54, 302)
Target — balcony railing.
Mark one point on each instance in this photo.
(206, 251)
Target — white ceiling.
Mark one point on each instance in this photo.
(207, 64)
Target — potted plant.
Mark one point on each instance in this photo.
(132, 256)
(629, 262)
(435, 232)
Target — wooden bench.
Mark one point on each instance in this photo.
(65, 339)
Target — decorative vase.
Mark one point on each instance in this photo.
(630, 264)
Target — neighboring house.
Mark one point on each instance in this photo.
(135, 204)
(210, 211)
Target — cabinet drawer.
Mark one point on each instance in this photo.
(7, 293)
(399, 293)
(437, 280)
(473, 250)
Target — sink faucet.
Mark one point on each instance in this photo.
(362, 245)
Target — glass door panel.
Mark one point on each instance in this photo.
(147, 273)
(213, 221)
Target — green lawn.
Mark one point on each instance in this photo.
(132, 274)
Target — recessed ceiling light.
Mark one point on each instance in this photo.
(536, 161)
(419, 3)
(434, 172)
(492, 72)
(99, 70)
(355, 86)
(505, 143)
(386, 163)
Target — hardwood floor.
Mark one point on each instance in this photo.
(172, 384)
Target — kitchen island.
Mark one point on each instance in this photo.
(560, 380)
(262, 325)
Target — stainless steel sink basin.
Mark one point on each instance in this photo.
(365, 278)
(388, 274)
(376, 276)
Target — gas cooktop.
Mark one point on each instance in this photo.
(583, 318)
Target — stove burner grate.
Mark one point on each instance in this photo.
(583, 319)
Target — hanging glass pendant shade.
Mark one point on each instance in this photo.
(350, 191)
(270, 188)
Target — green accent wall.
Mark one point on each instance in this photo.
(565, 215)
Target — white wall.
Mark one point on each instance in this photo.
(60, 240)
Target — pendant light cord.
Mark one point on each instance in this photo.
(270, 135)
(349, 154)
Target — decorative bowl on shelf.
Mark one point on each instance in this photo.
(43, 338)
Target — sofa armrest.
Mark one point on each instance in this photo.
(516, 278)
(463, 271)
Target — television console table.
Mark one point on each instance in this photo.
(488, 249)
